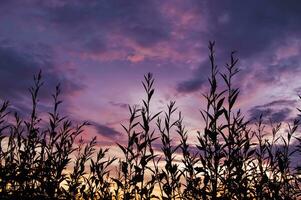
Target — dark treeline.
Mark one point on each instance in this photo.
(233, 158)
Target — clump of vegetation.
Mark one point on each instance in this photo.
(233, 158)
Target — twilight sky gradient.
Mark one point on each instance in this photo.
(99, 50)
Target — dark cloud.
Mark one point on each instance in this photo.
(120, 105)
(281, 102)
(17, 69)
(270, 114)
(252, 28)
(105, 130)
(95, 45)
(276, 111)
(190, 85)
(271, 73)
(280, 115)
(93, 21)
(199, 79)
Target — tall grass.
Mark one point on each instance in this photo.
(233, 158)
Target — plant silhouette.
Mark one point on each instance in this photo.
(233, 158)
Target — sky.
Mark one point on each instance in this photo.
(99, 50)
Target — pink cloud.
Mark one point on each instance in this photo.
(136, 58)
(291, 48)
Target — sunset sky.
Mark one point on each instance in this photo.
(99, 51)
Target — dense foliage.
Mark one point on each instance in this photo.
(233, 158)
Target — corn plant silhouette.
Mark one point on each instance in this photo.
(233, 159)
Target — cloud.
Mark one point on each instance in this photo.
(136, 58)
(105, 130)
(252, 28)
(198, 80)
(190, 85)
(297, 90)
(276, 116)
(280, 102)
(120, 105)
(277, 111)
(17, 68)
(132, 31)
(138, 20)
